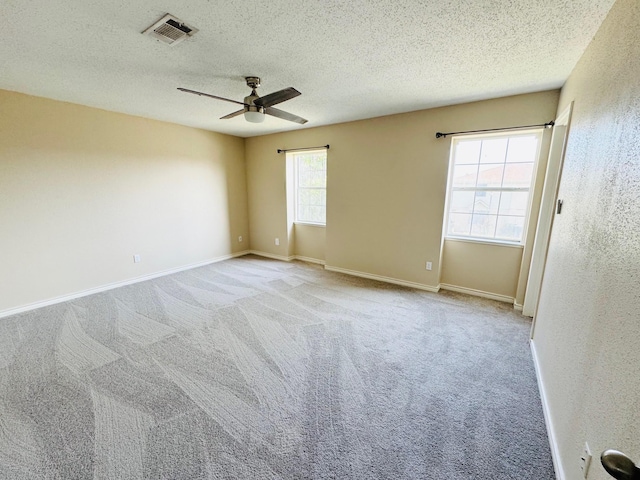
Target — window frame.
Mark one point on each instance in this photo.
(539, 133)
(294, 154)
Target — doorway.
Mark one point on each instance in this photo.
(547, 212)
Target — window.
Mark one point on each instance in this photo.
(310, 186)
(489, 182)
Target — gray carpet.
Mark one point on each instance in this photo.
(259, 369)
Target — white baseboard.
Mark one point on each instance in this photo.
(272, 255)
(555, 451)
(287, 259)
(477, 293)
(111, 286)
(309, 259)
(517, 306)
(371, 276)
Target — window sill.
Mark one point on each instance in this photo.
(309, 224)
(497, 243)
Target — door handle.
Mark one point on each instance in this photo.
(619, 466)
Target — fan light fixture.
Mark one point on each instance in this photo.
(254, 114)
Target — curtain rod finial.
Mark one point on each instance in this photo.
(440, 134)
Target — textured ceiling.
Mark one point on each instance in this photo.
(351, 59)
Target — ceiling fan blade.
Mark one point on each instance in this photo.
(209, 95)
(231, 115)
(276, 97)
(285, 115)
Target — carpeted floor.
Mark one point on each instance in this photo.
(259, 369)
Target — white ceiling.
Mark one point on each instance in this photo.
(351, 59)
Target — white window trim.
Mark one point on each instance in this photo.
(310, 224)
(295, 187)
(506, 133)
(501, 243)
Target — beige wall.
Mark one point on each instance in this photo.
(310, 241)
(386, 184)
(587, 327)
(484, 267)
(82, 190)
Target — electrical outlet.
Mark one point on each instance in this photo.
(136, 259)
(585, 460)
(277, 241)
(429, 266)
(240, 239)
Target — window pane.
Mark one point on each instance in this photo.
(313, 214)
(312, 170)
(312, 196)
(465, 175)
(483, 225)
(303, 213)
(522, 149)
(314, 178)
(510, 228)
(490, 175)
(467, 152)
(486, 202)
(311, 161)
(303, 177)
(485, 166)
(462, 202)
(518, 175)
(494, 151)
(459, 224)
(311, 187)
(514, 203)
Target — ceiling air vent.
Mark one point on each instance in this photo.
(170, 29)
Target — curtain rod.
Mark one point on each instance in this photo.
(545, 125)
(303, 148)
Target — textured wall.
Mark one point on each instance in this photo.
(587, 328)
(386, 185)
(82, 190)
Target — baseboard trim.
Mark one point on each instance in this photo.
(555, 451)
(272, 255)
(286, 259)
(381, 278)
(517, 306)
(477, 293)
(309, 259)
(111, 286)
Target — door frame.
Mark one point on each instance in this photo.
(547, 212)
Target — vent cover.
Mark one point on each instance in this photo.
(170, 29)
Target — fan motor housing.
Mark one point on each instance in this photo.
(251, 107)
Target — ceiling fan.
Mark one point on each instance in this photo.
(255, 107)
